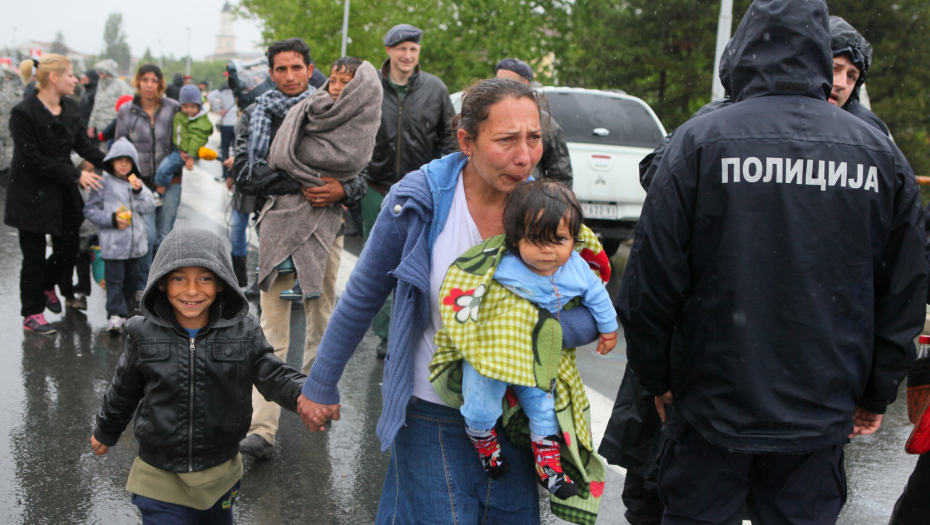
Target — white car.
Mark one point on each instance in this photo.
(608, 133)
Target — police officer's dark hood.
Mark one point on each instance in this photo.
(185, 247)
(782, 47)
(845, 40)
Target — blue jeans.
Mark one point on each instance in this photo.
(227, 141)
(168, 167)
(156, 512)
(483, 398)
(238, 225)
(435, 476)
(157, 226)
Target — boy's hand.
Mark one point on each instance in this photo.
(606, 343)
(99, 448)
(136, 183)
(315, 415)
(189, 164)
(122, 223)
(865, 422)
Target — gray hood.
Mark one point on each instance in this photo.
(123, 148)
(185, 247)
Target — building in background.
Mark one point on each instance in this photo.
(226, 39)
(36, 49)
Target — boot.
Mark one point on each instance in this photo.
(240, 271)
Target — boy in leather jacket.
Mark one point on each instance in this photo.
(191, 359)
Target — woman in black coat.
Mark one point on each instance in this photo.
(43, 196)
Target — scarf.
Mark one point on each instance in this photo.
(270, 103)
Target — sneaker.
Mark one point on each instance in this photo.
(115, 325)
(52, 302)
(256, 446)
(489, 450)
(38, 325)
(78, 302)
(294, 295)
(158, 200)
(549, 468)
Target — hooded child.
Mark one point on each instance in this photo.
(191, 359)
(116, 209)
(322, 136)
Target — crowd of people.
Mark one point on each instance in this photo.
(775, 285)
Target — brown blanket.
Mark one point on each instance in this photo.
(319, 137)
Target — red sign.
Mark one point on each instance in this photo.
(35, 53)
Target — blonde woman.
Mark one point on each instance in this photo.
(27, 74)
(43, 197)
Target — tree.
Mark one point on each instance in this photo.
(58, 45)
(147, 58)
(114, 41)
(462, 40)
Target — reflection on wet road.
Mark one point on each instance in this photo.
(52, 387)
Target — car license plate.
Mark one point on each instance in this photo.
(599, 211)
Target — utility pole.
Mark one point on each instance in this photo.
(13, 53)
(345, 29)
(188, 51)
(724, 25)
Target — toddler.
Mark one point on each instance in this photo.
(542, 223)
(116, 210)
(191, 359)
(190, 132)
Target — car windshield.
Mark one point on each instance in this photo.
(627, 123)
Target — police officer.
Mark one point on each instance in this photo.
(852, 57)
(767, 338)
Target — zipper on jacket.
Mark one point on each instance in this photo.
(400, 133)
(190, 423)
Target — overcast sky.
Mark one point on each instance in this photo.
(144, 22)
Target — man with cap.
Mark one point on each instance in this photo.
(852, 57)
(415, 114)
(555, 163)
(767, 339)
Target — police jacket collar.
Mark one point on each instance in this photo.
(386, 79)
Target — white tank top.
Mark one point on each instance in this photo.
(458, 235)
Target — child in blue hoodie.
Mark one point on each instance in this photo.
(116, 210)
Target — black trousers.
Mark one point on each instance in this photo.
(82, 268)
(39, 274)
(122, 278)
(913, 507)
(701, 483)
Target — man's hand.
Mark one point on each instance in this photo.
(228, 163)
(229, 183)
(865, 422)
(661, 402)
(315, 415)
(99, 448)
(90, 180)
(326, 194)
(606, 343)
(122, 223)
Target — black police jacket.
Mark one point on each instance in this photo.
(776, 279)
(413, 132)
(194, 396)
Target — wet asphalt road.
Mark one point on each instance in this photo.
(50, 390)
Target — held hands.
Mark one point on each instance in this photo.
(90, 181)
(661, 402)
(315, 415)
(865, 422)
(606, 343)
(326, 194)
(99, 448)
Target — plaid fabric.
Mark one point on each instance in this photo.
(272, 102)
(508, 338)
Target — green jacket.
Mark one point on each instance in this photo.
(191, 133)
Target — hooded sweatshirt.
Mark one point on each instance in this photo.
(776, 278)
(103, 204)
(195, 394)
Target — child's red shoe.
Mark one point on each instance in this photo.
(549, 468)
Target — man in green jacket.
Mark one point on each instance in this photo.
(190, 132)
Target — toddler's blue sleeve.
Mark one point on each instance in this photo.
(597, 299)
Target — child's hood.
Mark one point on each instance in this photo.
(122, 148)
(185, 247)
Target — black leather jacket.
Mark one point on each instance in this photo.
(413, 132)
(195, 394)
